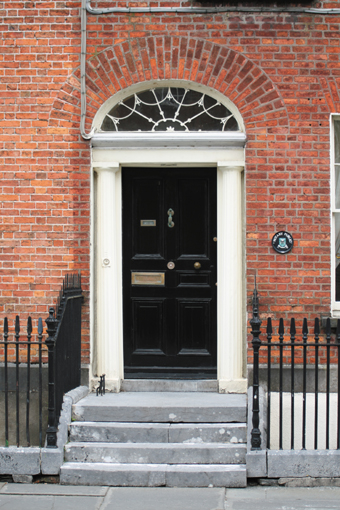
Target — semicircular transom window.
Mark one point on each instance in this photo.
(170, 109)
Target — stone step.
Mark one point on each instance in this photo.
(156, 453)
(207, 385)
(153, 475)
(165, 407)
(158, 432)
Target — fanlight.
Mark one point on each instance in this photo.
(169, 109)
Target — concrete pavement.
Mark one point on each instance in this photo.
(58, 497)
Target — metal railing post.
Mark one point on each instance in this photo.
(51, 433)
(255, 323)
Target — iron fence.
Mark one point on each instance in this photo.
(63, 355)
(22, 353)
(307, 356)
(64, 350)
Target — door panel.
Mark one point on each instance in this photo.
(169, 216)
(193, 323)
(193, 218)
(147, 240)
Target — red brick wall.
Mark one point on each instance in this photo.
(281, 70)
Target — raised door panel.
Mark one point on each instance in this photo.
(193, 218)
(148, 326)
(147, 236)
(194, 326)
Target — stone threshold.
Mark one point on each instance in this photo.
(160, 385)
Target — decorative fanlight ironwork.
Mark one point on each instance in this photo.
(170, 109)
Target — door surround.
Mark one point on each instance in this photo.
(222, 151)
(106, 254)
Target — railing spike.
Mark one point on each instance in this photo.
(40, 326)
(305, 327)
(281, 327)
(17, 325)
(6, 326)
(328, 326)
(316, 328)
(292, 327)
(29, 326)
(269, 326)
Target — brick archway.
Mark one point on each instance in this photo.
(172, 58)
(166, 58)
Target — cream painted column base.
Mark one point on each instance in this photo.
(111, 385)
(229, 280)
(108, 277)
(235, 386)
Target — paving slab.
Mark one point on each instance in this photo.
(164, 499)
(18, 502)
(283, 498)
(48, 489)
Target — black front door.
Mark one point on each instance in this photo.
(169, 272)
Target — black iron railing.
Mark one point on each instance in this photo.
(17, 353)
(64, 350)
(302, 360)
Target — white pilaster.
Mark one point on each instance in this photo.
(229, 290)
(108, 276)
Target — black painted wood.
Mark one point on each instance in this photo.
(170, 330)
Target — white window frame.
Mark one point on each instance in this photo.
(335, 305)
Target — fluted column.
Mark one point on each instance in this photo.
(108, 335)
(231, 341)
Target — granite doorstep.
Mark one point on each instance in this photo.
(119, 432)
(162, 407)
(156, 453)
(206, 476)
(208, 433)
(120, 475)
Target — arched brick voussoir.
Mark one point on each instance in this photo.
(203, 62)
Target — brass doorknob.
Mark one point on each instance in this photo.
(197, 265)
